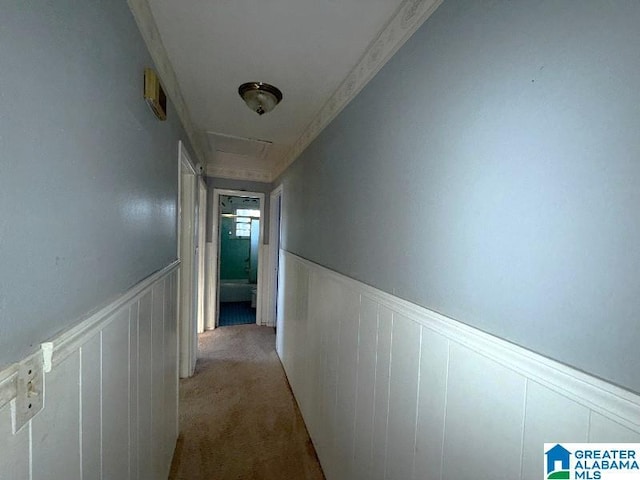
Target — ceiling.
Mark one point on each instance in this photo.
(307, 48)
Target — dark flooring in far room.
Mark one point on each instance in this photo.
(236, 313)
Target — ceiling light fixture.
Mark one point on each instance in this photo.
(260, 97)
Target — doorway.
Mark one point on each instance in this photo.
(238, 233)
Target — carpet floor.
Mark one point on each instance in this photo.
(238, 417)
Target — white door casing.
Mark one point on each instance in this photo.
(202, 235)
(271, 297)
(187, 241)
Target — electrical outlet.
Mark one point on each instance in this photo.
(29, 391)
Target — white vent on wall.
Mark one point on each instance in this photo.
(229, 145)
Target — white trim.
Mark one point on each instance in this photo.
(600, 396)
(202, 223)
(185, 158)
(407, 19)
(69, 341)
(187, 295)
(273, 250)
(215, 237)
(151, 36)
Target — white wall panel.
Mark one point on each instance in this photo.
(367, 334)
(347, 307)
(133, 391)
(299, 359)
(14, 456)
(381, 394)
(432, 392)
(604, 429)
(115, 397)
(55, 439)
(157, 380)
(550, 417)
(484, 418)
(403, 398)
(170, 368)
(145, 394)
(331, 338)
(91, 408)
(393, 391)
(111, 397)
(311, 408)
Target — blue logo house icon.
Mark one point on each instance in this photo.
(554, 455)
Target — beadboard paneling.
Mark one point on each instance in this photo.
(55, 439)
(91, 396)
(111, 397)
(368, 325)
(115, 405)
(390, 390)
(403, 396)
(381, 394)
(431, 405)
(14, 449)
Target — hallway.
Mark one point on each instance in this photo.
(238, 418)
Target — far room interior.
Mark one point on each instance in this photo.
(238, 260)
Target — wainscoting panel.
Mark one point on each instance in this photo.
(381, 395)
(403, 394)
(55, 431)
(115, 408)
(14, 449)
(431, 404)
(603, 429)
(110, 399)
(90, 405)
(390, 390)
(366, 384)
(484, 417)
(550, 416)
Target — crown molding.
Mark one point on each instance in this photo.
(239, 173)
(408, 18)
(151, 36)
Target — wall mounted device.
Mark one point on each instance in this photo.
(154, 94)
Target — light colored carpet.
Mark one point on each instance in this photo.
(238, 418)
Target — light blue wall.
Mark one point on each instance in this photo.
(491, 172)
(88, 176)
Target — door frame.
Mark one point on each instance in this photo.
(186, 244)
(201, 253)
(214, 266)
(271, 303)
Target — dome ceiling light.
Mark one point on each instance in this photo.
(260, 97)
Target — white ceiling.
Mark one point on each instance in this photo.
(304, 47)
